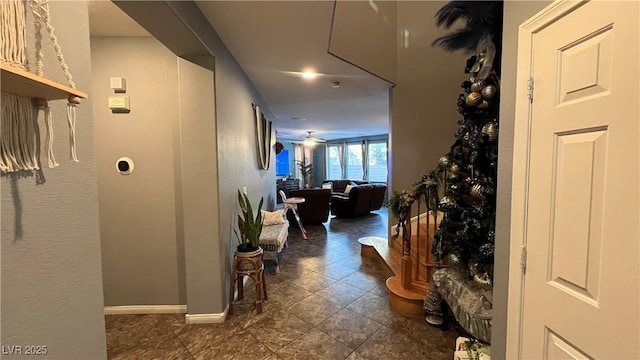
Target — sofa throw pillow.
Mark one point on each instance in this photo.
(349, 187)
(328, 185)
(272, 217)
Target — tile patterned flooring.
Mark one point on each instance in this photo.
(326, 303)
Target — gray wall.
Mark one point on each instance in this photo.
(237, 149)
(424, 116)
(183, 29)
(140, 249)
(199, 173)
(51, 273)
(515, 12)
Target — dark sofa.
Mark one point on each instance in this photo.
(315, 209)
(362, 199)
(340, 185)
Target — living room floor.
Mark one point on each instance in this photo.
(327, 302)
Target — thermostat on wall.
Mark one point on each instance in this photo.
(118, 84)
(124, 165)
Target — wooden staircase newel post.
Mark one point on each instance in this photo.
(405, 276)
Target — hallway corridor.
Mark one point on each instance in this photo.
(326, 303)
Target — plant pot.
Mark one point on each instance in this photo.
(243, 249)
(249, 260)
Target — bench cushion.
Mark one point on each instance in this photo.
(273, 239)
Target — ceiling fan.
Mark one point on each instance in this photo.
(311, 140)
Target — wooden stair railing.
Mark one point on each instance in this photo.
(422, 260)
(406, 292)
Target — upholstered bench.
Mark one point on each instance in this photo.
(273, 239)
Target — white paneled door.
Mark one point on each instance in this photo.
(579, 218)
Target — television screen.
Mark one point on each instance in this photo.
(282, 163)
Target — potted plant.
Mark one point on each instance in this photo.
(247, 260)
(306, 169)
(249, 228)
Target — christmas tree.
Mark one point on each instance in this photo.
(466, 175)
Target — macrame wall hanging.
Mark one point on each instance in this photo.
(24, 91)
(263, 138)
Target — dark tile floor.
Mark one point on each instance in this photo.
(326, 303)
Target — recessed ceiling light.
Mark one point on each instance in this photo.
(335, 84)
(309, 75)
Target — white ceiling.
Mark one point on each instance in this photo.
(274, 41)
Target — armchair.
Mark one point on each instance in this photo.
(356, 203)
(315, 209)
(377, 196)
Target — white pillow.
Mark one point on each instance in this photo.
(272, 217)
(327, 185)
(348, 188)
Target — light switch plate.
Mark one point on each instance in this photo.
(119, 103)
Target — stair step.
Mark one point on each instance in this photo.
(389, 254)
(378, 249)
(407, 302)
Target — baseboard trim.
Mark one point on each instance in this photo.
(207, 318)
(145, 309)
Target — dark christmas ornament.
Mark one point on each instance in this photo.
(473, 99)
(477, 86)
(484, 104)
(462, 100)
(466, 85)
(454, 168)
(473, 156)
(488, 92)
(446, 201)
(454, 260)
(477, 191)
(491, 131)
(477, 196)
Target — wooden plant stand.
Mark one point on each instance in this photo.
(248, 264)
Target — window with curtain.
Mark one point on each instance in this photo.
(374, 156)
(333, 162)
(377, 161)
(354, 161)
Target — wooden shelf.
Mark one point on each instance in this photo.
(23, 83)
